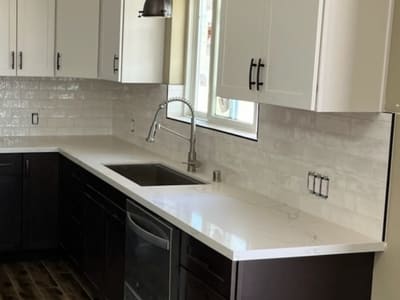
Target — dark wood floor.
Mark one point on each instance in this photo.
(42, 280)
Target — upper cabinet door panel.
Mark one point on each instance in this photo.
(143, 47)
(8, 37)
(354, 55)
(393, 86)
(36, 34)
(77, 38)
(111, 12)
(290, 73)
(243, 34)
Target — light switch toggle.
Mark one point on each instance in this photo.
(318, 184)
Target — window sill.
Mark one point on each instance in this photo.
(216, 127)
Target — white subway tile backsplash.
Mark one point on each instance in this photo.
(65, 106)
(352, 149)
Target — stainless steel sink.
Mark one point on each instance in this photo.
(153, 175)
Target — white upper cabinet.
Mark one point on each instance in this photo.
(27, 37)
(291, 53)
(131, 48)
(393, 86)
(8, 37)
(242, 40)
(354, 55)
(320, 55)
(36, 34)
(77, 38)
(111, 12)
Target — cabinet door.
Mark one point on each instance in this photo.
(192, 288)
(10, 202)
(111, 12)
(8, 37)
(40, 201)
(244, 31)
(36, 33)
(94, 241)
(77, 38)
(142, 62)
(354, 55)
(393, 88)
(115, 258)
(291, 70)
(71, 211)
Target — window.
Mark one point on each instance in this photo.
(228, 115)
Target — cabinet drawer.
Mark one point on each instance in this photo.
(10, 164)
(212, 268)
(107, 192)
(192, 288)
(107, 201)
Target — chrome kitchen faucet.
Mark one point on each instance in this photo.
(192, 162)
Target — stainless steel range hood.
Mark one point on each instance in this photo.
(156, 8)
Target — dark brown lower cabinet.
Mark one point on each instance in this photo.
(94, 241)
(71, 210)
(333, 277)
(28, 202)
(92, 218)
(40, 201)
(93, 229)
(206, 274)
(10, 202)
(115, 256)
(192, 288)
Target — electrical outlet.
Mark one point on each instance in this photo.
(318, 184)
(35, 118)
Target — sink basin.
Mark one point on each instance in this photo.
(153, 175)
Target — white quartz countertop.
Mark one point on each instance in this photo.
(239, 224)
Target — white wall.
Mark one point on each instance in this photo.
(352, 149)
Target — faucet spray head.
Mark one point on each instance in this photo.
(151, 138)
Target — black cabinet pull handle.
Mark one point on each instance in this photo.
(27, 168)
(259, 83)
(20, 60)
(251, 82)
(144, 233)
(115, 64)
(58, 61)
(5, 165)
(13, 60)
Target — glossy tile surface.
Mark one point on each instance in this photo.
(41, 280)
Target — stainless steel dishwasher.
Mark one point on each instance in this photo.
(152, 256)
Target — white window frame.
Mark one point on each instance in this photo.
(209, 119)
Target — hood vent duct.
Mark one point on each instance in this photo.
(156, 8)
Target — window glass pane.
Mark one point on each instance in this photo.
(245, 112)
(204, 55)
(235, 110)
(230, 115)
